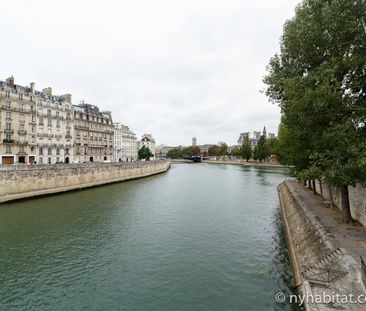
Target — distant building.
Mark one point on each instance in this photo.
(162, 150)
(148, 141)
(271, 135)
(194, 142)
(129, 144)
(255, 138)
(94, 133)
(204, 148)
(242, 137)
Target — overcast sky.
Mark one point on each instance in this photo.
(176, 69)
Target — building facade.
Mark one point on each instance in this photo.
(34, 126)
(148, 141)
(94, 134)
(125, 144)
(54, 128)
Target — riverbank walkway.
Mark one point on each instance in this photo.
(324, 252)
(351, 237)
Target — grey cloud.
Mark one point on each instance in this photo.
(175, 69)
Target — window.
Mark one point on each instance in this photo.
(49, 113)
(49, 122)
(57, 151)
(31, 108)
(21, 149)
(8, 115)
(40, 120)
(8, 105)
(21, 107)
(8, 149)
(58, 123)
(40, 160)
(57, 114)
(40, 153)
(7, 94)
(8, 126)
(49, 151)
(21, 97)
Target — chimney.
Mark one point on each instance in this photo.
(10, 81)
(67, 97)
(47, 91)
(32, 87)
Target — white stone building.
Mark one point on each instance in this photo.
(54, 128)
(148, 141)
(125, 144)
(37, 126)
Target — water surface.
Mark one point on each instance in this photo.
(200, 237)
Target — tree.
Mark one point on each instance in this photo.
(213, 150)
(145, 153)
(246, 149)
(236, 152)
(318, 80)
(191, 151)
(272, 144)
(222, 148)
(175, 153)
(262, 151)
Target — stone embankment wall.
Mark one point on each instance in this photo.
(18, 182)
(320, 266)
(357, 199)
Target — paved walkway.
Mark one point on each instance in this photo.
(351, 237)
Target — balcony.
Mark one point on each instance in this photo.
(22, 132)
(9, 131)
(8, 141)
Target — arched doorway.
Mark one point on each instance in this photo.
(67, 160)
(91, 159)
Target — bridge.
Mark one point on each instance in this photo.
(195, 158)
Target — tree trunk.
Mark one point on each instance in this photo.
(314, 186)
(321, 190)
(309, 184)
(331, 197)
(345, 205)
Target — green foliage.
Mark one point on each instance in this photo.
(218, 150)
(246, 149)
(191, 151)
(272, 144)
(236, 152)
(175, 153)
(318, 79)
(261, 150)
(145, 153)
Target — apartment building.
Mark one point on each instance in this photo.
(94, 134)
(35, 127)
(125, 144)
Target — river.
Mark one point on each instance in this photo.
(199, 237)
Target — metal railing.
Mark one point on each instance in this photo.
(322, 275)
